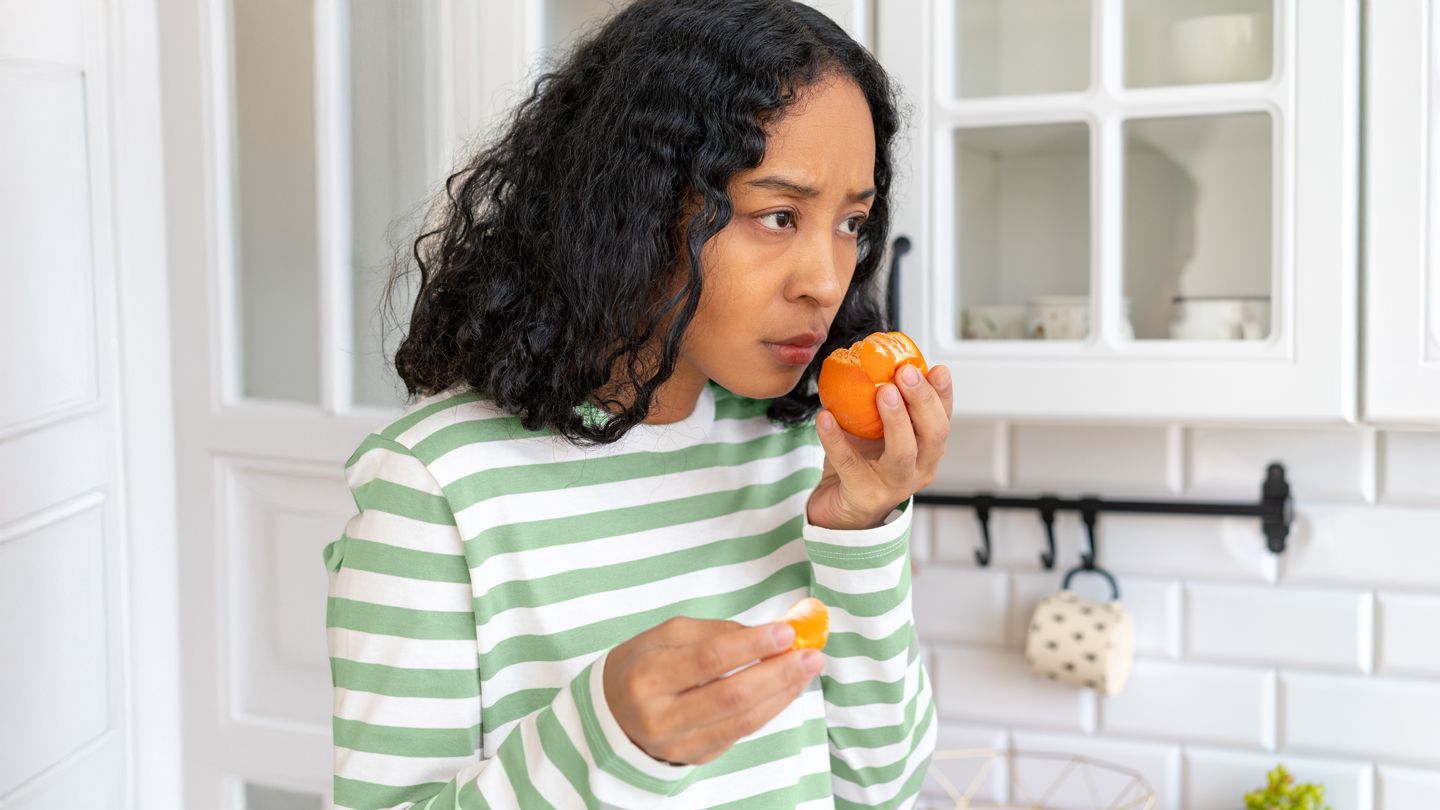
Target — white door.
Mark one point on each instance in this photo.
(1402, 307)
(278, 242)
(1132, 209)
(85, 714)
(300, 137)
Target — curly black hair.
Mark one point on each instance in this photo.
(566, 245)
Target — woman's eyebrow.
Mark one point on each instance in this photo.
(803, 191)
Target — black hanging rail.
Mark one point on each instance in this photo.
(1275, 510)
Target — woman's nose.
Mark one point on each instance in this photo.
(821, 274)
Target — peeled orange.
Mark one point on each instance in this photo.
(849, 378)
(811, 620)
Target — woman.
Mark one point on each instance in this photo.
(561, 583)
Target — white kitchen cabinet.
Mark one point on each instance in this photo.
(1131, 210)
(1402, 282)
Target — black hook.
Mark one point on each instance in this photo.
(898, 248)
(982, 511)
(1049, 504)
(1090, 513)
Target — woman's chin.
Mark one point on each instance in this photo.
(761, 386)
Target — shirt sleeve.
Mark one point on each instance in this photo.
(880, 716)
(405, 668)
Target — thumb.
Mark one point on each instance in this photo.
(843, 456)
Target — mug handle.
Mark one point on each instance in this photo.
(1114, 586)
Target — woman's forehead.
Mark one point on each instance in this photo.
(824, 142)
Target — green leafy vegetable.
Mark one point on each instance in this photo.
(1281, 793)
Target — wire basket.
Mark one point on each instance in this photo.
(1003, 779)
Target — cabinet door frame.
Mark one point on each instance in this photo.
(1402, 284)
(1307, 371)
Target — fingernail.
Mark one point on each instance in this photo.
(812, 660)
(910, 376)
(942, 377)
(890, 395)
(784, 634)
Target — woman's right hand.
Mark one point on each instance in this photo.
(668, 690)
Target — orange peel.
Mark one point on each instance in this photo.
(849, 379)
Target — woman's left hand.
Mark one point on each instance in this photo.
(864, 479)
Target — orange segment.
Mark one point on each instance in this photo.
(811, 620)
(882, 354)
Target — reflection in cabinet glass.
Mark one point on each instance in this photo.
(1199, 213)
(1010, 184)
(1018, 47)
(1174, 42)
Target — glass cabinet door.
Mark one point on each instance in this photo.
(1131, 208)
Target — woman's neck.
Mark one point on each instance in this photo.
(676, 398)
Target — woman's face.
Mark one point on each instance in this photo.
(778, 271)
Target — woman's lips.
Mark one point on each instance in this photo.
(792, 354)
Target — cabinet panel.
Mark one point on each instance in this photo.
(1402, 305)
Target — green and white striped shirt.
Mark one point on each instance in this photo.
(489, 569)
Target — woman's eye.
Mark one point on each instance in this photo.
(789, 218)
(858, 221)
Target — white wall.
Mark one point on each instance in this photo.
(1325, 658)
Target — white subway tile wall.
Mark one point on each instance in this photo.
(1128, 460)
(981, 595)
(1204, 703)
(990, 685)
(1325, 658)
(1220, 779)
(1282, 626)
(1409, 472)
(1391, 718)
(1409, 640)
(1401, 788)
(971, 459)
(1330, 465)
